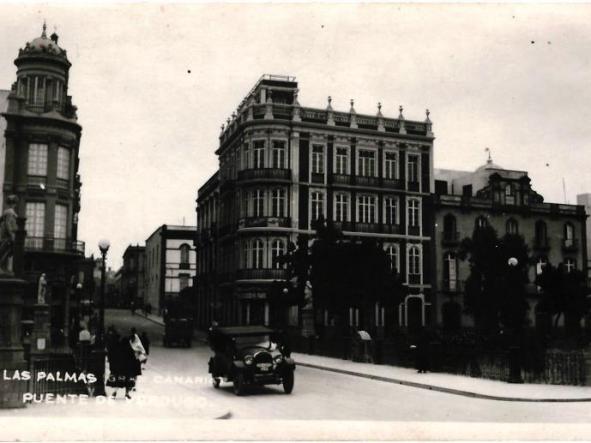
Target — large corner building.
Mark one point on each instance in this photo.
(282, 166)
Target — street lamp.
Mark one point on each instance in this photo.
(104, 247)
(514, 349)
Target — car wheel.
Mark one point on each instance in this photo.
(288, 382)
(216, 382)
(239, 384)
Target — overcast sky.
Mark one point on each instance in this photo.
(153, 83)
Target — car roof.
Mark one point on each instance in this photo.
(244, 330)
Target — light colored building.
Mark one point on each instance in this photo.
(281, 167)
(504, 199)
(170, 264)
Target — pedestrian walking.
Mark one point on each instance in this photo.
(422, 352)
(123, 366)
(146, 343)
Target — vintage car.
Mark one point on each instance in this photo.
(250, 355)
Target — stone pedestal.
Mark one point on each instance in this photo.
(587, 357)
(40, 337)
(12, 363)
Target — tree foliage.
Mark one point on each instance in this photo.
(495, 291)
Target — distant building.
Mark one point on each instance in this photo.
(133, 276)
(504, 199)
(42, 138)
(585, 200)
(281, 167)
(170, 264)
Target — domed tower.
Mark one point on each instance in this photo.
(41, 162)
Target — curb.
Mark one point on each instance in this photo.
(443, 389)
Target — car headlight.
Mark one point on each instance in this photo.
(248, 360)
(278, 359)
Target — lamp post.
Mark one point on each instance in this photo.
(104, 247)
(514, 349)
(99, 351)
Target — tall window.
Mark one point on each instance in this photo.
(449, 227)
(509, 194)
(512, 226)
(245, 204)
(367, 163)
(37, 159)
(317, 207)
(258, 203)
(245, 156)
(278, 202)
(277, 250)
(391, 210)
(392, 251)
(414, 260)
(341, 213)
(390, 165)
(258, 253)
(450, 271)
(541, 233)
(63, 163)
(185, 253)
(569, 235)
(35, 224)
(278, 157)
(413, 168)
(414, 213)
(60, 226)
(318, 159)
(342, 161)
(367, 209)
(259, 154)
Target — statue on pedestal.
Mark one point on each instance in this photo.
(41, 290)
(8, 228)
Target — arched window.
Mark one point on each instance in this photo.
(481, 222)
(512, 227)
(258, 252)
(449, 227)
(569, 235)
(185, 253)
(541, 233)
(277, 250)
(414, 261)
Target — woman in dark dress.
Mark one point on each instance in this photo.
(123, 365)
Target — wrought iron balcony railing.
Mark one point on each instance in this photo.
(261, 274)
(50, 244)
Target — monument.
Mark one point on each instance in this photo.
(12, 289)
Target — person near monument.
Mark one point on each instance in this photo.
(41, 290)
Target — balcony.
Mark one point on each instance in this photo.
(361, 180)
(391, 183)
(414, 230)
(339, 179)
(265, 174)
(317, 177)
(414, 279)
(367, 227)
(261, 274)
(541, 244)
(264, 222)
(570, 244)
(382, 228)
(450, 238)
(57, 245)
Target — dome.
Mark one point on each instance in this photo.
(44, 45)
(489, 165)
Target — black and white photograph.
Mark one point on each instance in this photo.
(295, 221)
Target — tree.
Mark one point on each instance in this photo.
(495, 291)
(564, 294)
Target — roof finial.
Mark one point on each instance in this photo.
(352, 110)
(329, 107)
(401, 116)
(43, 34)
(489, 160)
(428, 113)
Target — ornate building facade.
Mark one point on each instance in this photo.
(41, 167)
(281, 167)
(504, 199)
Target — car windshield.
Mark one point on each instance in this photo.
(257, 340)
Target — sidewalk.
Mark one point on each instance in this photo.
(449, 383)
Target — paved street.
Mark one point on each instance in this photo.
(176, 384)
